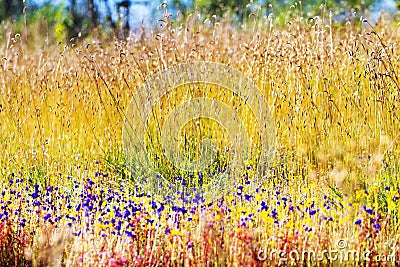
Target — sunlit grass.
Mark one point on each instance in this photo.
(68, 195)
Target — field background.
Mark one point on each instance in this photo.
(68, 198)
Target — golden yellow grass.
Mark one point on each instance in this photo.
(333, 93)
(329, 92)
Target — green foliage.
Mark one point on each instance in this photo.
(219, 7)
(51, 19)
(56, 18)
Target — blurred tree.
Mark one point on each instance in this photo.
(10, 9)
(93, 13)
(84, 17)
(77, 19)
(123, 8)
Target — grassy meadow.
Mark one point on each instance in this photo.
(68, 197)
